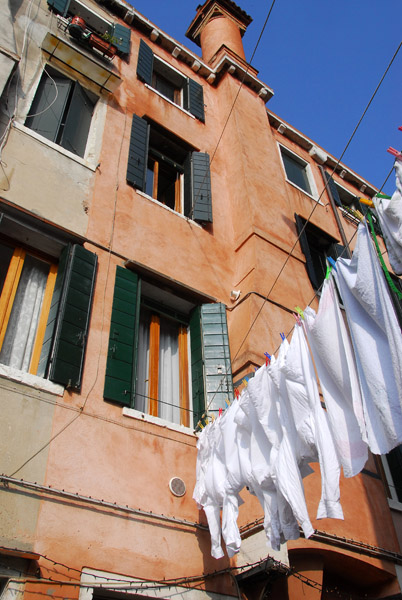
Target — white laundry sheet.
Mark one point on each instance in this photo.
(390, 215)
(377, 342)
(335, 363)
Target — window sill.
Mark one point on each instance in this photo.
(60, 149)
(395, 504)
(304, 192)
(31, 380)
(170, 101)
(144, 195)
(136, 414)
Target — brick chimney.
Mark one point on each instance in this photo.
(219, 23)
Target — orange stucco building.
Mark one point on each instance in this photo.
(152, 251)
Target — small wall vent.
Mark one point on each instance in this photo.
(177, 487)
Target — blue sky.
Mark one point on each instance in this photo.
(324, 61)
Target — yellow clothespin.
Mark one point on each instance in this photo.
(200, 425)
(299, 310)
(365, 201)
(245, 382)
(227, 402)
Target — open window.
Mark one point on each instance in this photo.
(62, 111)
(169, 82)
(169, 170)
(168, 356)
(44, 310)
(316, 246)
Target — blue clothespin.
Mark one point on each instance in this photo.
(331, 262)
(283, 336)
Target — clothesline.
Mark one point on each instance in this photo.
(268, 436)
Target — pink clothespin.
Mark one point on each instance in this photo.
(394, 152)
(267, 359)
(220, 412)
(237, 393)
(297, 319)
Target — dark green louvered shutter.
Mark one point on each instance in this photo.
(145, 64)
(332, 188)
(197, 187)
(306, 251)
(211, 368)
(77, 272)
(197, 366)
(53, 313)
(123, 339)
(138, 153)
(122, 37)
(59, 6)
(194, 99)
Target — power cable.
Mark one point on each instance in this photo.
(317, 201)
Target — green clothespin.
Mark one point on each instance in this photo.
(383, 196)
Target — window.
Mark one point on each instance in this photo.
(316, 245)
(61, 111)
(297, 171)
(394, 463)
(169, 82)
(44, 311)
(167, 355)
(167, 169)
(348, 201)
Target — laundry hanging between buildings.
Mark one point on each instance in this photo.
(268, 437)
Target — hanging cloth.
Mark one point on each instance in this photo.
(390, 215)
(335, 363)
(377, 342)
(311, 421)
(286, 468)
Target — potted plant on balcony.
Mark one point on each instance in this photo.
(105, 43)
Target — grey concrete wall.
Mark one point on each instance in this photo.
(25, 426)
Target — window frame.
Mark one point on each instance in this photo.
(306, 168)
(8, 294)
(65, 112)
(60, 338)
(393, 499)
(208, 347)
(316, 278)
(193, 195)
(191, 94)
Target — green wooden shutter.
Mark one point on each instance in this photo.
(306, 251)
(211, 369)
(201, 187)
(123, 339)
(122, 38)
(138, 153)
(73, 314)
(145, 64)
(333, 189)
(53, 313)
(194, 99)
(59, 6)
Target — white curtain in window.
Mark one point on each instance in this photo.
(141, 400)
(169, 383)
(21, 330)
